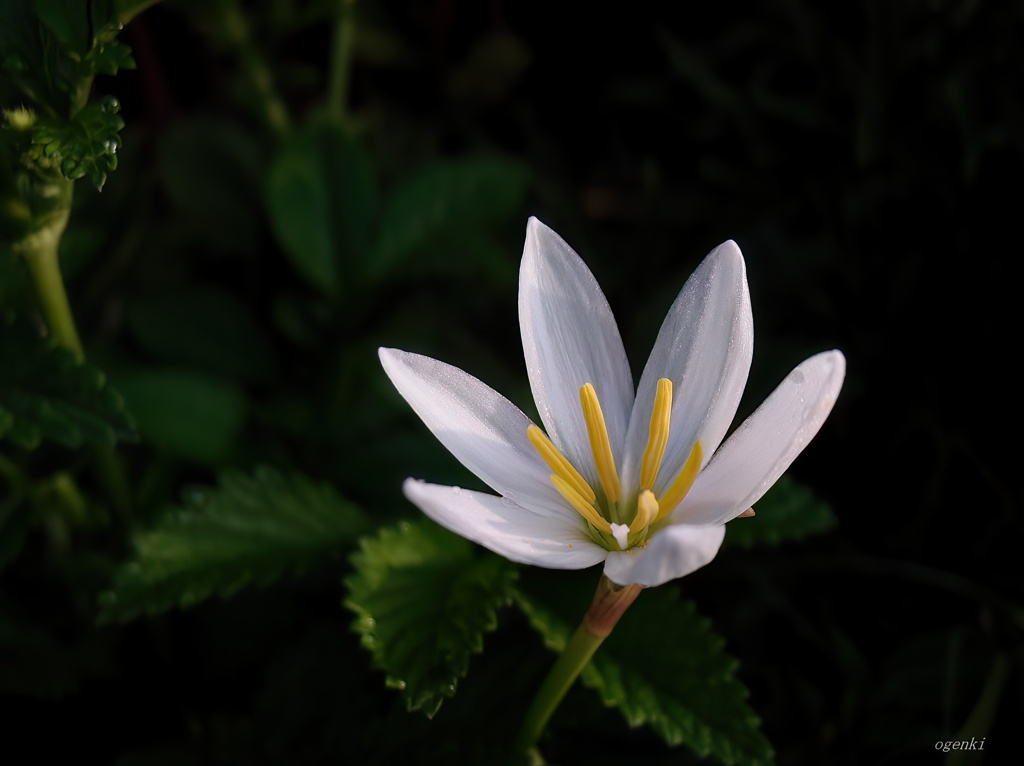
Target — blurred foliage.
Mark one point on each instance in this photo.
(46, 394)
(274, 208)
(787, 512)
(250, 529)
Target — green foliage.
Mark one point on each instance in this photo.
(322, 199)
(439, 219)
(663, 666)
(424, 600)
(203, 328)
(251, 529)
(211, 171)
(110, 57)
(789, 511)
(47, 47)
(84, 146)
(45, 393)
(188, 414)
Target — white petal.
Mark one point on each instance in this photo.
(762, 448)
(506, 528)
(483, 429)
(570, 339)
(673, 552)
(704, 347)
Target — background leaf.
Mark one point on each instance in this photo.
(789, 511)
(211, 170)
(424, 599)
(46, 394)
(321, 196)
(204, 328)
(438, 219)
(188, 414)
(251, 529)
(664, 667)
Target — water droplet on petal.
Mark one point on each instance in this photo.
(797, 376)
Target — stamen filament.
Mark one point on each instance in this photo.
(576, 500)
(557, 462)
(683, 482)
(660, 418)
(600, 445)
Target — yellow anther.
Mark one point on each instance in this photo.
(683, 482)
(660, 418)
(556, 462)
(646, 511)
(604, 461)
(576, 500)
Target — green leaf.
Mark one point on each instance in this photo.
(663, 666)
(86, 146)
(46, 394)
(191, 415)
(211, 172)
(252, 529)
(322, 199)
(68, 20)
(109, 58)
(424, 600)
(203, 328)
(789, 511)
(442, 214)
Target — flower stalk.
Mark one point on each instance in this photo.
(609, 604)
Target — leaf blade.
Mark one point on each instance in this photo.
(423, 601)
(252, 529)
(45, 393)
(687, 697)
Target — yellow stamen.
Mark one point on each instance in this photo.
(556, 462)
(646, 511)
(576, 500)
(683, 482)
(599, 443)
(659, 434)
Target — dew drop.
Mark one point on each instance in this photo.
(457, 490)
(110, 105)
(111, 146)
(797, 376)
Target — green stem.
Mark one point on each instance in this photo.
(39, 250)
(341, 60)
(609, 604)
(239, 36)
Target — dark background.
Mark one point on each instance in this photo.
(866, 157)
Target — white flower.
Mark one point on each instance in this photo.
(639, 482)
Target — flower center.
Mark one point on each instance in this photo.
(604, 514)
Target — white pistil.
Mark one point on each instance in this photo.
(621, 534)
